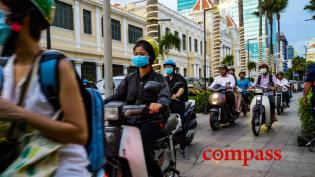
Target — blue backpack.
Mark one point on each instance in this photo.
(48, 77)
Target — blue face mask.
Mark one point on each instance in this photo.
(168, 71)
(140, 61)
(5, 29)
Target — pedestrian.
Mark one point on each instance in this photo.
(52, 143)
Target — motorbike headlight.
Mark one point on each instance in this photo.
(259, 90)
(215, 99)
(111, 113)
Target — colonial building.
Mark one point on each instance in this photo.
(221, 41)
(310, 50)
(189, 59)
(78, 32)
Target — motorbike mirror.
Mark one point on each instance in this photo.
(152, 86)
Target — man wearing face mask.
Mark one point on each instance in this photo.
(267, 81)
(178, 87)
(131, 91)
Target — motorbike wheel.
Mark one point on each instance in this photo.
(278, 107)
(255, 123)
(214, 121)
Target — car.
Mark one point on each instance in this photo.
(116, 80)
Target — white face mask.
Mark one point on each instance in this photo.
(263, 71)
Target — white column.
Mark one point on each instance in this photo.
(125, 35)
(98, 29)
(78, 67)
(77, 24)
(98, 71)
(125, 69)
(182, 70)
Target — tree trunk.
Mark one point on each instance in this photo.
(260, 33)
(279, 49)
(152, 19)
(273, 64)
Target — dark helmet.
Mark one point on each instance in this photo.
(169, 62)
(279, 73)
(231, 68)
(263, 65)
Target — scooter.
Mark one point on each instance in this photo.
(244, 107)
(124, 148)
(280, 101)
(261, 112)
(219, 112)
(189, 124)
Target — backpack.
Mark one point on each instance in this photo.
(48, 78)
(270, 80)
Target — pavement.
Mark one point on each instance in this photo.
(295, 162)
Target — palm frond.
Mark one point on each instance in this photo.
(168, 41)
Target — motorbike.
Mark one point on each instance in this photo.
(219, 112)
(189, 124)
(280, 101)
(124, 147)
(261, 112)
(244, 107)
(295, 87)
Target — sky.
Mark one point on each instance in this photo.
(293, 24)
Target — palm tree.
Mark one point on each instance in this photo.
(279, 7)
(228, 60)
(260, 31)
(242, 33)
(167, 42)
(152, 19)
(251, 66)
(311, 7)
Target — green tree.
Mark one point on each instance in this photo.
(278, 8)
(167, 42)
(299, 66)
(228, 60)
(311, 7)
(251, 66)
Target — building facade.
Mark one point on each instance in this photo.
(189, 59)
(283, 63)
(310, 50)
(228, 34)
(78, 32)
(290, 50)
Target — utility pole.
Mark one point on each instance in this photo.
(108, 63)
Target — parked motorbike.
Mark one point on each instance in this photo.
(244, 107)
(219, 112)
(295, 87)
(124, 148)
(280, 101)
(261, 112)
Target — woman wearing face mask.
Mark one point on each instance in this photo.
(131, 91)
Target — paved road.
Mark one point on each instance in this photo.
(296, 161)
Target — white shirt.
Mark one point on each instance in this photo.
(223, 80)
(283, 82)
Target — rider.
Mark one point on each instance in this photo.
(131, 91)
(178, 87)
(244, 84)
(267, 81)
(225, 79)
(310, 86)
(283, 82)
(237, 97)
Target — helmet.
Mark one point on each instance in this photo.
(263, 65)
(46, 8)
(223, 66)
(231, 68)
(279, 73)
(169, 62)
(154, 45)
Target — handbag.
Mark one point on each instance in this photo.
(32, 154)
